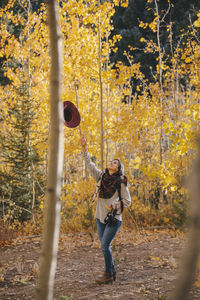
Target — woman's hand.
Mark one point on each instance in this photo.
(84, 143)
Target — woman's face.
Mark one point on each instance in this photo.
(113, 165)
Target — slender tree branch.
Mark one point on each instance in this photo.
(191, 24)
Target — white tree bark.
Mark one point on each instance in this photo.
(101, 91)
(55, 169)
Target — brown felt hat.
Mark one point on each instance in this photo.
(71, 115)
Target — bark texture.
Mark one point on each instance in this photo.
(55, 169)
(190, 257)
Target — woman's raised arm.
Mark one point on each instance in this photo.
(94, 171)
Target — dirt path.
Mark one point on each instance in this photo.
(146, 266)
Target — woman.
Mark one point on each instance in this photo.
(111, 187)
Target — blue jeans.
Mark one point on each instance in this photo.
(106, 234)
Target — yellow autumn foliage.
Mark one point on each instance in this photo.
(152, 131)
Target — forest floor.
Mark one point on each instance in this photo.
(146, 264)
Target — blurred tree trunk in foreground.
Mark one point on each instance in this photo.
(52, 213)
(190, 257)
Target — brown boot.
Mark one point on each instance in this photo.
(105, 279)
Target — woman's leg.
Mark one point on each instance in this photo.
(100, 229)
(109, 233)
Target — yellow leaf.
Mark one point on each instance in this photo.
(188, 112)
(165, 126)
(188, 60)
(196, 116)
(142, 40)
(138, 159)
(197, 23)
(157, 258)
(173, 188)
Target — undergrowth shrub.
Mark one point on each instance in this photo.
(142, 215)
(78, 210)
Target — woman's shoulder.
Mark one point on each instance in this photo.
(124, 179)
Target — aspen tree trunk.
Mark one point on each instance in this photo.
(160, 79)
(101, 93)
(76, 84)
(55, 169)
(159, 21)
(107, 108)
(191, 254)
(29, 133)
(84, 168)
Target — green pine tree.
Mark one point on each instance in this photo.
(22, 182)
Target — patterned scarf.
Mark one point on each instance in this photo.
(109, 184)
